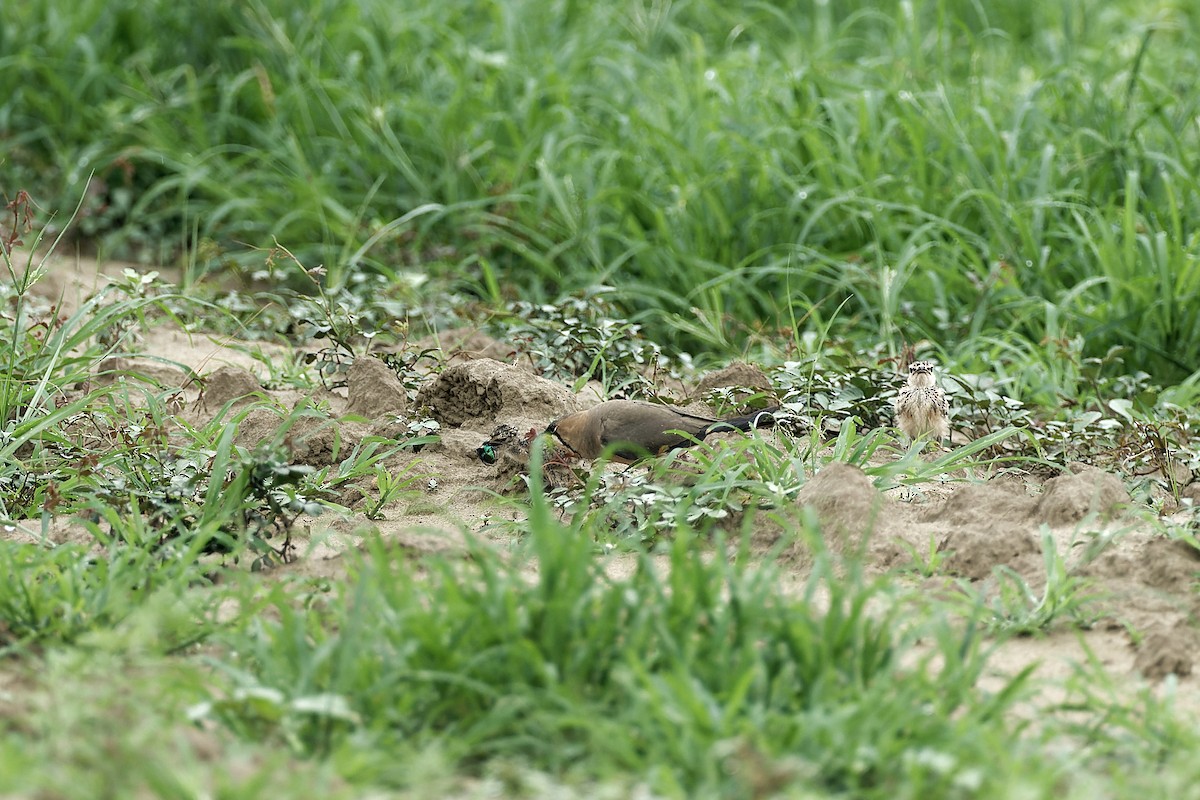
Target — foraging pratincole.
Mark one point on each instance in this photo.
(921, 407)
(636, 429)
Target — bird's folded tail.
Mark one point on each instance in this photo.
(757, 419)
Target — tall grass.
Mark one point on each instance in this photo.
(949, 168)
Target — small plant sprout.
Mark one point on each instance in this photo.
(1015, 608)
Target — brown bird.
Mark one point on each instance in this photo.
(637, 429)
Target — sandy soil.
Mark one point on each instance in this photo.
(1146, 580)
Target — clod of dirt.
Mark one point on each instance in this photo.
(163, 376)
(974, 552)
(1169, 565)
(984, 505)
(313, 440)
(374, 390)
(322, 442)
(1167, 651)
(228, 383)
(477, 394)
(1067, 499)
(257, 426)
(739, 374)
(1191, 493)
(987, 525)
(846, 502)
(1154, 577)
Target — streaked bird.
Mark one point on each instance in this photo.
(922, 410)
(635, 429)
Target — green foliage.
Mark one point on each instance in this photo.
(47, 356)
(58, 593)
(112, 721)
(988, 179)
(575, 339)
(1014, 607)
(834, 386)
(673, 673)
(716, 487)
(928, 562)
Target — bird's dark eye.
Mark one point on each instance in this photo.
(487, 454)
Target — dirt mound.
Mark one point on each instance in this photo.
(1068, 499)
(739, 375)
(844, 499)
(478, 394)
(227, 384)
(1169, 565)
(374, 390)
(975, 527)
(981, 526)
(1167, 650)
(463, 344)
(975, 552)
(321, 441)
(983, 505)
(1150, 572)
(853, 514)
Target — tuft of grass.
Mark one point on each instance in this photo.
(1014, 607)
(57, 594)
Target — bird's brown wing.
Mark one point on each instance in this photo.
(649, 428)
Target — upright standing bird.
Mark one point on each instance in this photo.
(921, 407)
(636, 429)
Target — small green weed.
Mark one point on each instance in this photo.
(1015, 608)
(928, 562)
(55, 594)
(575, 339)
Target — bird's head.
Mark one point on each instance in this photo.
(552, 430)
(920, 373)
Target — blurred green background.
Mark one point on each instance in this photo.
(1013, 182)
